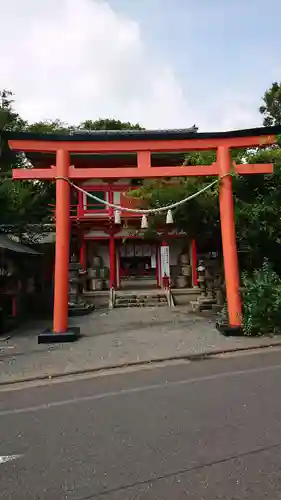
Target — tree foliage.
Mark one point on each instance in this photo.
(198, 217)
(108, 124)
(9, 120)
(271, 107)
(25, 203)
(49, 127)
(258, 201)
(257, 208)
(261, 301)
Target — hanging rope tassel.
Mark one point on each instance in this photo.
(169, 217)
(117, 217)
(144, 222)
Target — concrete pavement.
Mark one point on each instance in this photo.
(113, 338)
(208, 430)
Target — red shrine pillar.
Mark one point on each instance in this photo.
(112, 246)
(157, 266)
(194, 273)
(230, 257)
(112, 261)
(60, 321)
(82, 251)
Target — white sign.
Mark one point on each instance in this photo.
(165, 261)
(153, 261)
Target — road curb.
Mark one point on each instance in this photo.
(187, 357)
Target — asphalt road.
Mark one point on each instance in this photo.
(200, 430)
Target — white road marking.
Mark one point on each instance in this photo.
(8, 458)
(135, 390)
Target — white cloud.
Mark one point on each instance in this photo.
(79, 59)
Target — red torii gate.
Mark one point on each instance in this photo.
(143, 143)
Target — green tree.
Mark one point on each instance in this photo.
(108, 124)
(24, 203)
(9, 121)
(258, 197)
(50, 127)
(271, 107)
(199, 217)
(257, 207)
(21, 203)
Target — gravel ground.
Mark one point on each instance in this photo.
(120, 336)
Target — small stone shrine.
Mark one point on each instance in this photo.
(76, 276)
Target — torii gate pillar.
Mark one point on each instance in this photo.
(61, 332)
(60, 318)
(228, 234)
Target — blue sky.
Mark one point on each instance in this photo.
(215, 46)
(163, 63)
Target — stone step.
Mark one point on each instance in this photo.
(127, 302)
(138, 304)
(140, 300)
(217, 308)
(206, 300)
(80, 309)
(140, 295)
(198, 306)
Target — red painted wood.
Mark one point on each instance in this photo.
(265, 168)
(153, 172)
(110, 199)
(157, 270)
(135, 172)
(194, 263)
(140, 145)
(144, 160)
(130, 237)
(105, 187)
(83, 252)
(118, 265)
(230, 256)
(112, 273)
(60, 320)
(34, 173)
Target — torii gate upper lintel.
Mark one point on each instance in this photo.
(143, 143)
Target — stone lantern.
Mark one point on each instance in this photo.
(201, 269)
(76, 276)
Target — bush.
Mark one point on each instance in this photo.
(261, 301)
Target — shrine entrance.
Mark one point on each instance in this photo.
(145, 154)
(137, 264)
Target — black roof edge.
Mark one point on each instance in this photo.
(127, 135)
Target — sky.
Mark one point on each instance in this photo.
(161, 63)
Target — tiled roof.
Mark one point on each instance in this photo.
(128, 135)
